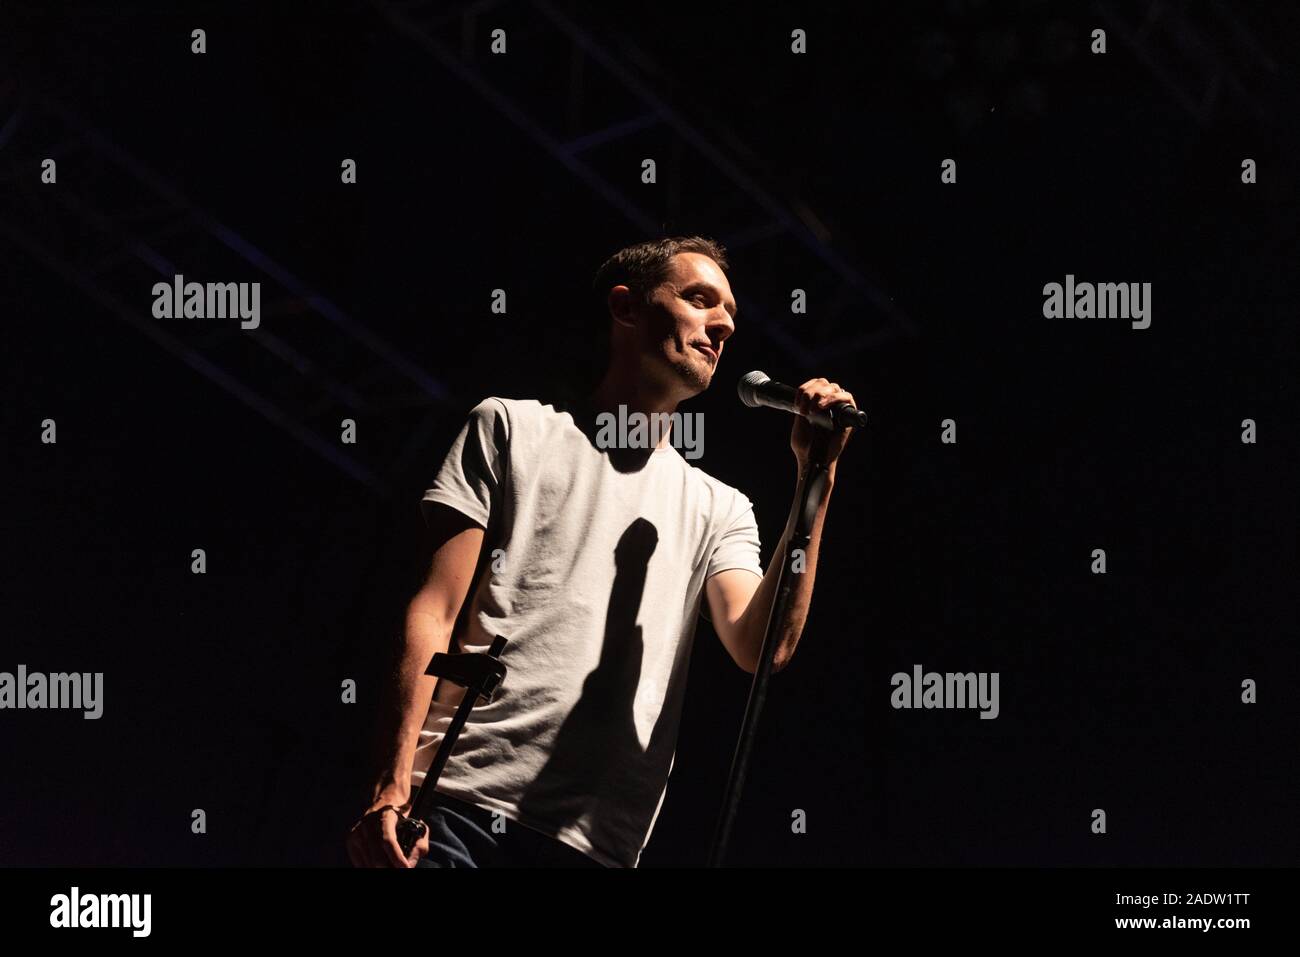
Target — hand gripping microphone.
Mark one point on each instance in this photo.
(757, 389)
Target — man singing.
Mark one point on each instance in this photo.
(592, 558)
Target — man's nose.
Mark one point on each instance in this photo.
(721, 326)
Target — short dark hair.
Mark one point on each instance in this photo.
(644, 266)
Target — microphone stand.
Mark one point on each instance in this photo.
(803, 512)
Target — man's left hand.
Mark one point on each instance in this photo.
(806, 438)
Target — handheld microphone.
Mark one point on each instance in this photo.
(757, 389)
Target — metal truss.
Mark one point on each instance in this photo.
(782, 242)
(1203, 55)
(116, 227)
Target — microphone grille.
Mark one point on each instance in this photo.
(748, 383)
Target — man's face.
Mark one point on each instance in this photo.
(689, 317)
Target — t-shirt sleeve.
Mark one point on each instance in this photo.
(737, 545)
(470, 476)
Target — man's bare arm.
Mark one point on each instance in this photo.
(430, 616)
(740, 601)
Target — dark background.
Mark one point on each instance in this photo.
(821, 172)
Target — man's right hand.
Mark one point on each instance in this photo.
(372, 841)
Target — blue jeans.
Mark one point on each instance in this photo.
(461, 835)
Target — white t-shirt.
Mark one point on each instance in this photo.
(601, 574)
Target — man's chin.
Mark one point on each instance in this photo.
(695, 378)
(687, 376)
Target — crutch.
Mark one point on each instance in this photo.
(480, 675)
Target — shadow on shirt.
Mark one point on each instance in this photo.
(593, 771)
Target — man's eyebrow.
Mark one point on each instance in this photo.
(699, 284)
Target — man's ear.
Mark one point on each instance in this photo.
(622, 305)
